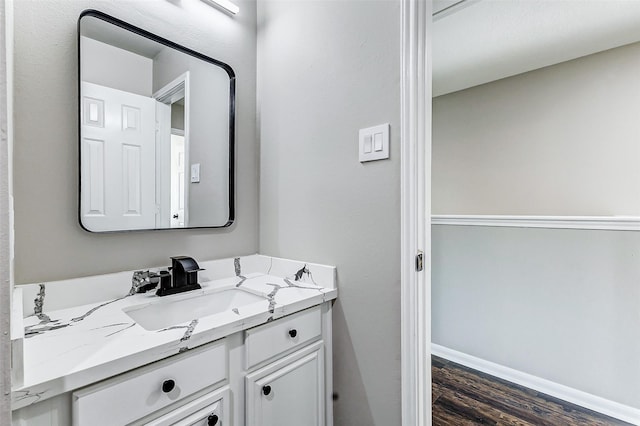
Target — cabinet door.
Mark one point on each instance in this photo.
(211, 409)
(288, 392)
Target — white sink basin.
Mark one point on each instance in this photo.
(178, 309)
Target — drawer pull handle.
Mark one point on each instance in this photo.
(266, 389)
(168, 385)
(293, 333)
(212, 420)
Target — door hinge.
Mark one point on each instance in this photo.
(419, 261)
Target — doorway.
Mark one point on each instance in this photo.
(177, 179)
(172, 142)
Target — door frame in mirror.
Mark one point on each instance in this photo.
(168, 94)
(232, 90)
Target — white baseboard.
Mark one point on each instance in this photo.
(574, 396)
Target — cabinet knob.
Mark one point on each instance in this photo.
(212, 420)
(293, 333)
(168, 385)
(266, 389)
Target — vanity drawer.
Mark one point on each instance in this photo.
(131, 396)
(266, 341)
(210, 409)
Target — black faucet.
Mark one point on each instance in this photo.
(183, 276)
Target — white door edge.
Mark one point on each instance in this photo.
(415, 211)
(6, 205)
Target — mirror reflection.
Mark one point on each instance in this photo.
(156, 131)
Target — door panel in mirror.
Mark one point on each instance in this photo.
(156, 131)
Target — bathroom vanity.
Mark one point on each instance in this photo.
(239, 341)
(252, 347)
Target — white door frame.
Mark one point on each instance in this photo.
(171, 92)
(416, 211)
(6, 207)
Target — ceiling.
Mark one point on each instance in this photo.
(478, 41)
(114, 35)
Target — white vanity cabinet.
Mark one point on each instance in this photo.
(288, 392)
(275, 374)
(129, 397)
(210, 410)
(289, 389)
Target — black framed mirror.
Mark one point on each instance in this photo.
(156, 131)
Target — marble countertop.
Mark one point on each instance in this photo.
(68, 348)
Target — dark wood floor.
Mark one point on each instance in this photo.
(462, 396)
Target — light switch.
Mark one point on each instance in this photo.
(195, 173)
(374, 143)
(377, 142)
(367, 144)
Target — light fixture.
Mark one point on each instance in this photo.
(224, 4)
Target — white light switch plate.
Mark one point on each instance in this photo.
(374, 143)
(195, 173)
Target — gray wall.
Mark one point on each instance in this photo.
(562, 140)
(325, 70)
(177, 116)
(563, 305)
(50, 244)
(133, 73)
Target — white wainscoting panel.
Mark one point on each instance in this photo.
(621, 223)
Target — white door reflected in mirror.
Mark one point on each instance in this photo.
(177, 181)
(118, 149)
